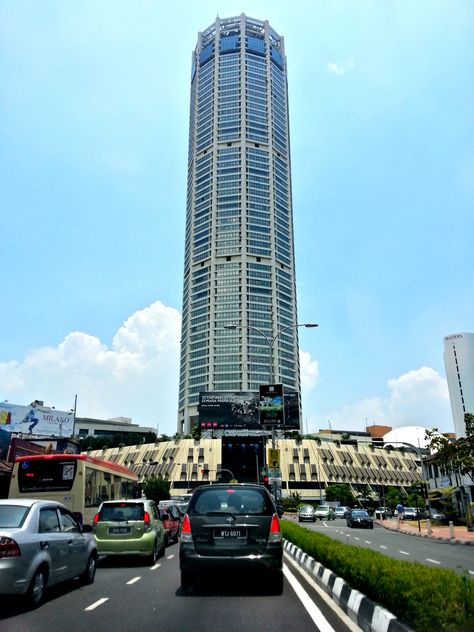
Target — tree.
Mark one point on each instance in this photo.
(453, 456)
(341, 492)
(157, 488)
(196, 432)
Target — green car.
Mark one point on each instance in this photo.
(129, 527)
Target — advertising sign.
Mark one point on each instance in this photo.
(272, 411)
(36, 419)
(273, 457)
(233, 410)
(292, 410)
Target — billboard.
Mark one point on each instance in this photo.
(231, 410)
(36, 419)
(272, 411)
(292, 411)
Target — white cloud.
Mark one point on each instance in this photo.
(137, 376)
(340, 67)
(417, 398)
(309, 372)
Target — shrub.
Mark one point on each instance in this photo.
(424, 598)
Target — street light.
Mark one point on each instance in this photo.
(270, 340)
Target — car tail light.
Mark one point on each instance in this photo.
(9, 548)
(96, 518)
(186, 534)
(275, 533)
(146, 520)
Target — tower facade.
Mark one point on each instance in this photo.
(239, 266)
(459, 365)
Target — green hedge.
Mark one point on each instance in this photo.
(423, 598)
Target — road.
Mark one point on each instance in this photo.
(128, 596)
(435, 553)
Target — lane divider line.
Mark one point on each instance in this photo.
(311, 608)
(133, 581)
(96, 604)
(428, 559)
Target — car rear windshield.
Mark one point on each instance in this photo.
(12, 516)
(122, 511)
(235, 501)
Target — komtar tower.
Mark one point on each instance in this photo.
(239, 296)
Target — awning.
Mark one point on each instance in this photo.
(442, 491)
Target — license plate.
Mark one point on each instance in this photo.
(119, 530)
(229, 534)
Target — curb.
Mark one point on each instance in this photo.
(369, 616)
(440, 538)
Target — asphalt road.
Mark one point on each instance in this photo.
(128, 596)
(435, 553)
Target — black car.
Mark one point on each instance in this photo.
(359, 518)
(231, 527)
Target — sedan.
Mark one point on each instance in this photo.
(306, 512)
(229, 528)
(359, 518)
(41, 544)
(130, 527)
(324, 512)
(341, 512)
(412, 513)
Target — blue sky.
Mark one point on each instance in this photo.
(94, 124)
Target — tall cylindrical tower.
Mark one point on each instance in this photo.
(239, 254)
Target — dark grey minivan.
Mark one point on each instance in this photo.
(231, 527)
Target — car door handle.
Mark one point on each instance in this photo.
(44, 545)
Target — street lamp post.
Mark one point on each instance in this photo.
(270, 340)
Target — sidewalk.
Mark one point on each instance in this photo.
(439, 532)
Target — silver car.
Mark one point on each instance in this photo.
(306, 512)
(41, 544)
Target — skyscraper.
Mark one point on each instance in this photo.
(459, 365)
(239, 254)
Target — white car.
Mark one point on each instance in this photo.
(41, 544)
(324, 512)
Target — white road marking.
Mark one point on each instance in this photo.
(471, 572)
(311, 608)
(433, 561)
(94, 605)
(382, 546)
(170, 557)
(404, 552)
(356, 538)
(367, 541)
(132, 581)
(153, 568)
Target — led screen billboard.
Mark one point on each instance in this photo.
(230, 410)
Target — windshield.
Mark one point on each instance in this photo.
(122, 511)
(235, 501)
(12, 516)
(49, 475)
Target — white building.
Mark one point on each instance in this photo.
(459, 364)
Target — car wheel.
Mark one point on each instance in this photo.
(154, 554)
(187, 582)
(36, 590)
(162, 550)
(276, 582)
(89, 574)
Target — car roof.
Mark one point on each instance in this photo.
(127, 500)
(29, 502)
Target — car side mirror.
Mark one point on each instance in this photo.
(87, 528)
